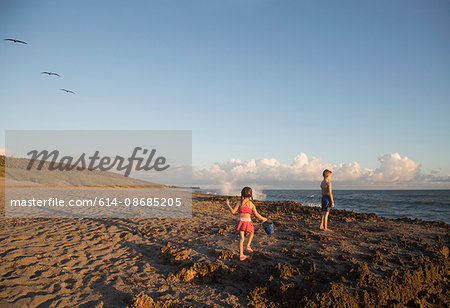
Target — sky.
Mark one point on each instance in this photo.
(273, 91)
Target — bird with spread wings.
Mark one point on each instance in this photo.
(67, 91)
(15, 40)
(50, 73)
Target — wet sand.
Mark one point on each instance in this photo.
(365, 261)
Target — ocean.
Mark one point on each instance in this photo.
(431, 205)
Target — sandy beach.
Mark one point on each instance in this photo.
(127, 125)
(365, 261)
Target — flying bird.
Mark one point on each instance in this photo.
(67, 91)
(50, 73)
(15, 41)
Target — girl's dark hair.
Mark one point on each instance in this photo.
(246, 192)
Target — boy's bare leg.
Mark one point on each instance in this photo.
(322, 220)
(250, 238)
(241, 243)
(326, 221)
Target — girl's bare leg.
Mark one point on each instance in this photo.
(250, 238)
(241, 243)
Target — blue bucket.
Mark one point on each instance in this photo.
(269, 228)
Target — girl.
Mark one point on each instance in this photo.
(244, 223)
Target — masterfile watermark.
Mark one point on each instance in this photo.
(106, 163)
(98, 174)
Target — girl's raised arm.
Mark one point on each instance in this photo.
(257, 214)
(233, 211)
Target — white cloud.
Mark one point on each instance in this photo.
(394, 168)
(305, 172)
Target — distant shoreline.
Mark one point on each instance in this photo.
(364, 207)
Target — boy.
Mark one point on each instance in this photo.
(327, 199)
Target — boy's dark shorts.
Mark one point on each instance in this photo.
(326, 203)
